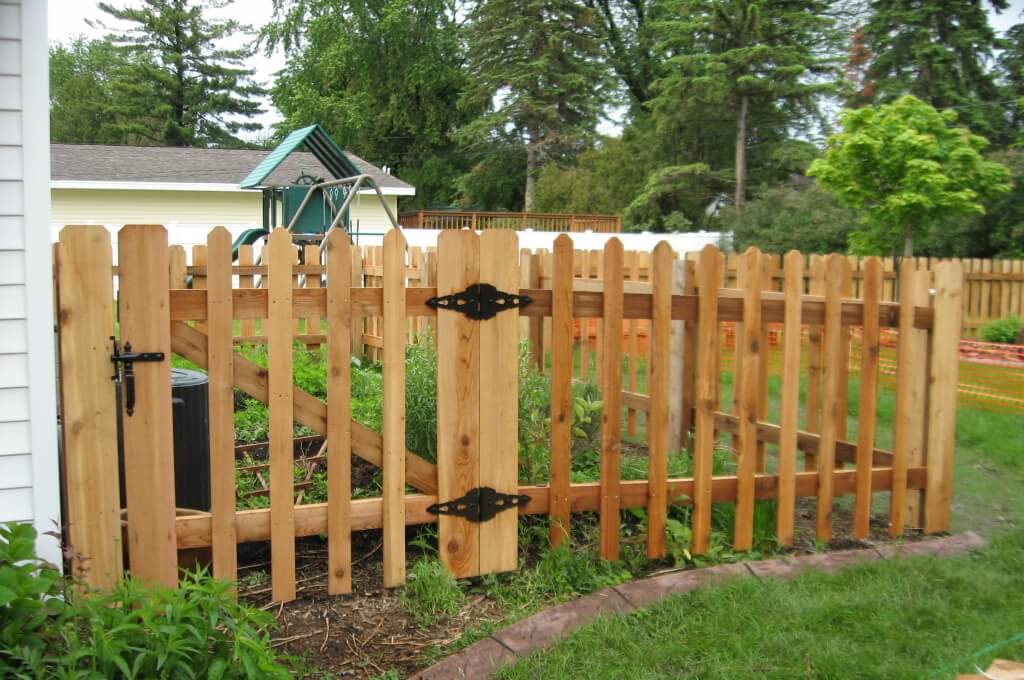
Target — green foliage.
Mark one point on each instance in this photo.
(533, 72)
(176, 84)
(674, 199)
(384, 77)
(431, 592)
(196, 631)
(906, 167)
(940, 53)
(602, 180)
(82, 96)
(780, 219)
(747, 62)
(1007, 331)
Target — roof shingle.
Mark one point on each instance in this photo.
(105, 163)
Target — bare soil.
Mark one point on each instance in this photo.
(364, 634)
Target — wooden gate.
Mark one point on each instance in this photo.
(477, 401)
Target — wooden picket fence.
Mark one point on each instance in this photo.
(683, 302)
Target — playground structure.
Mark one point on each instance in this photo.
(311, 207)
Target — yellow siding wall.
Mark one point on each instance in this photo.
(115, 206)
(230, 208)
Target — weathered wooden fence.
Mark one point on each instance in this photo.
(684, 304)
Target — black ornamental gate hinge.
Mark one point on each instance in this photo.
(480, 504)
(479, 301)
(124, 370)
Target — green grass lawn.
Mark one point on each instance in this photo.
(921, 618)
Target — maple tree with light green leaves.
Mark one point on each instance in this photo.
(907, 166)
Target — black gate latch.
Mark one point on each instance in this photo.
(479, 301)
(124, 370)
(479, 504)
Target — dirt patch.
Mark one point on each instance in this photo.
(364, 634)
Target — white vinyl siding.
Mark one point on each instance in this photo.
(29, 479)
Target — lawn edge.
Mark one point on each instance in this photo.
(543, 629)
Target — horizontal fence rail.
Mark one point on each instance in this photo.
(672, 344)
(445, 219)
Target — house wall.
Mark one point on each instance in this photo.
(188, 215)
(29, 469)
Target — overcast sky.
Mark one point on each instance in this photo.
(67, 19)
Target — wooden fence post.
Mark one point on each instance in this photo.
(280, 256)
(339, 428)
(662, 334)
(246, 327)
(688, 358)
(747, 398)
(676, 426)
(393, 466)
(499, 410)
(356, 274)
(793, 289)
(709, 274)
(561, 389)
(88, 413)
(945, 360)
(220, 367)
(148, 434)
(611, 390)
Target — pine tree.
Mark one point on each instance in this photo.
(766, 58)
(940, 51)
(533, 65)
(179, 87)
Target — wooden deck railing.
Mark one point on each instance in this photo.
(449, 219)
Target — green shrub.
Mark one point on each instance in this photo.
(1006, 331)
(431, 592)
(48, 629)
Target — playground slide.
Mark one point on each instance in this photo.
(246, 238)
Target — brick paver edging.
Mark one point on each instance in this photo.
(544, 628)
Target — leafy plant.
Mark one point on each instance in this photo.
(48, 629)
(431, 592)
(1006, 331)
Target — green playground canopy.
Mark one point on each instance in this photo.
(319, 144)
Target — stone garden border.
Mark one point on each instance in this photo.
(544, 628)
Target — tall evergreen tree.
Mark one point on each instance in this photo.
(180, 87)
(941, 52)
(533, 66)
(744, 58)
(384, 77)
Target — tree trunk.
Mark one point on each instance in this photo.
(532, 166)
(741, 153)
(908, 242)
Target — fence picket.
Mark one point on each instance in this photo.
(945, 361)
(178, 270)
(660, 343)
(747, 398)
(280, 255)
(632, 263)
(561, 390)
(911, 384)
(871, 293)
(220, 353)
(835, 284)
(610, 354)
(499, 411)
(311, 255)
(86, 318)
(458, 400)
(148, 434)
(246, 327)
(689, 358)
(815, 347)
(339, 430)
(393, 464)
(199, 279)
(709, 274)
(793, 284)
